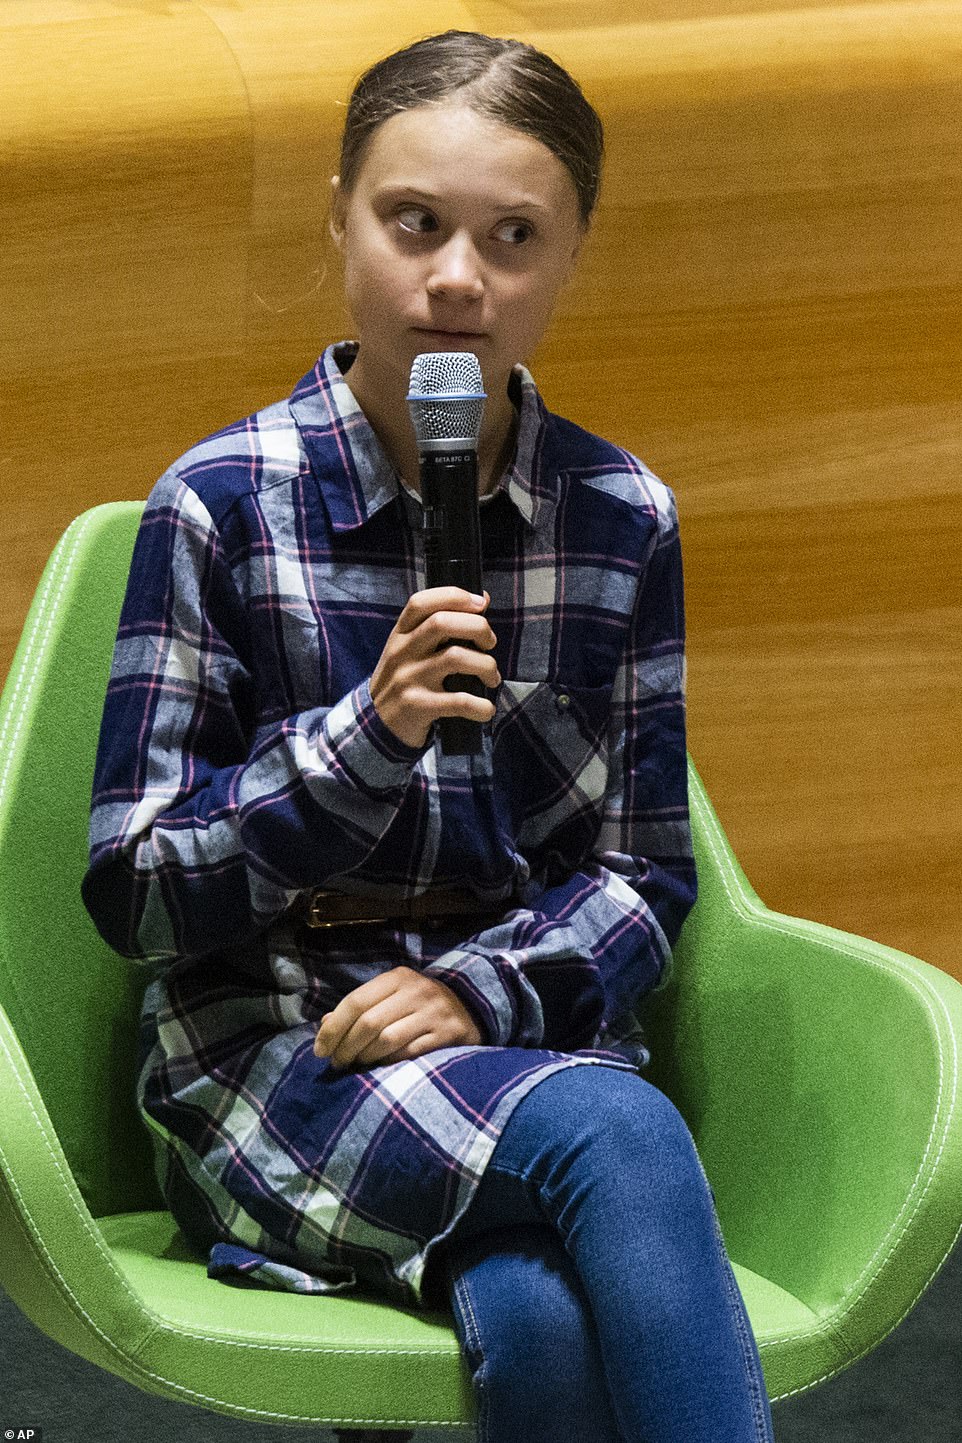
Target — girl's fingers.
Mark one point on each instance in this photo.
(450, 628)
(425, 629)
(425, 603)
(369, 1029)
(389, 1045)
(336, 1024)
(416, 654)
(458, 661)
(422, 1042)
(415, 1013)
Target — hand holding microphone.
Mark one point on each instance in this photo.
(433, 667)
(441, 631)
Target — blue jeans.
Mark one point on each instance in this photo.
(592, 1294)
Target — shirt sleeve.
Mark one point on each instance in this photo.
(569, 967)
(205, 826)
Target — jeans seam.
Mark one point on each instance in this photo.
(530, 1178)
(754, 1382)
(462, 1298)
(752, 1365)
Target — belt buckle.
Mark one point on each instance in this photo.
(343, 922)
(315, 915)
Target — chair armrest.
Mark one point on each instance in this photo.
(54, 1262)
(819, 1073)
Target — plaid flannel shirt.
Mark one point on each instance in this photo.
(242, 763)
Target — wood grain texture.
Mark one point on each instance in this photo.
(768, 312)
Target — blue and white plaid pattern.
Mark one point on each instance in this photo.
(242, 763)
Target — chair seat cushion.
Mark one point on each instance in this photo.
(211, 1340)
(331, 1350)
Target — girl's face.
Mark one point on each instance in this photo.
(458, 235)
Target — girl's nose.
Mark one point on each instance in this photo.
(456, 271)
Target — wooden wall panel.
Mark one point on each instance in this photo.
(782, 276)
(124, 201)
(768, 313)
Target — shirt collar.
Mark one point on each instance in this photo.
(358, 477)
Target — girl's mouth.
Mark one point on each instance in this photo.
(450, 335)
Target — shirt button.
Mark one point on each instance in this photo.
(563, 701)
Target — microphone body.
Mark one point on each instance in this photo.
(446, 401)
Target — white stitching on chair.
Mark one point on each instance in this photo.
(757, 911)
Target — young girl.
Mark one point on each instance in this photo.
(389, 1022)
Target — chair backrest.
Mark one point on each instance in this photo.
(73, 1002)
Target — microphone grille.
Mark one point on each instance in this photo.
(446, 397)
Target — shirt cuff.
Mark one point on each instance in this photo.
(355, 741)
(504, 1005)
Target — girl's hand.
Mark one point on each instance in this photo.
(397, 1015)
(407, 685)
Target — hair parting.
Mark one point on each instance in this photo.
(506, 80)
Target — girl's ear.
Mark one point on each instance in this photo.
(575, 254)
(336, 223)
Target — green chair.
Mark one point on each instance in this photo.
(818, 1072)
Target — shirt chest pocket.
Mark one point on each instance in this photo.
(550, 762)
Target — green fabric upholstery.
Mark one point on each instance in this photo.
(818, 1072)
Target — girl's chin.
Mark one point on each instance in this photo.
(448, 340)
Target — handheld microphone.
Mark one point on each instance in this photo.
(446, 401)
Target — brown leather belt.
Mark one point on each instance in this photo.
(335, 909)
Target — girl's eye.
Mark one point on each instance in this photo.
(413, 218)
(516, 232)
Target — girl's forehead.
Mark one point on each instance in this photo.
(454, 146)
